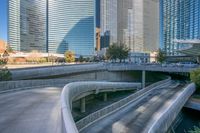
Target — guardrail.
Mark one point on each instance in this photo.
(162, 120)
(73, 90)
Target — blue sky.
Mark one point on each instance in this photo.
(3, 19)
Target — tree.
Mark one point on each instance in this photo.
(117, 51)
(81, 59)
(161, 56)
(69, 56)
(195, 77)
(4, 72)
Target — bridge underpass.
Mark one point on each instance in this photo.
(135, 117)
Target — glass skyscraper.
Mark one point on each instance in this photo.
(180, 20)
(53, 26)
(27, 25)
(72, 26)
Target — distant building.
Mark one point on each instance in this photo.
(179, 21)
(108, 22)
(134, 23)
(98, 39)
(53, 26)
(3, 45)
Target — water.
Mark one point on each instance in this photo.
(191, 118)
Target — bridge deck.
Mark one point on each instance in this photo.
(136, 116)
(31, 111)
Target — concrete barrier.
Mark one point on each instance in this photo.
(193, 103)
(72, 90)
(162, 119)
(117, 106)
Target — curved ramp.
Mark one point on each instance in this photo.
(31, 111)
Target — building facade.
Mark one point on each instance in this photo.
(53, 26)
(180, 20)
(108, 22)
(137, 24)
(27, 25)
(72, 26)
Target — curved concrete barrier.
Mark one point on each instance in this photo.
(72, 90)
(162, 120)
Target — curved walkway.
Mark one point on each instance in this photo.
(31, 111)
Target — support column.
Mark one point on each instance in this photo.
(105, 97)
(83, 105)
(143, 79)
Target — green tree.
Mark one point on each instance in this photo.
(4, 72)
(195, 77)
(161, 56)
(117, 51)
(81, 59)
(69, 56)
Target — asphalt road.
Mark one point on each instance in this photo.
(31, 111)
(134, 118)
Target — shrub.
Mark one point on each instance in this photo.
(195, 130)
(195, 77)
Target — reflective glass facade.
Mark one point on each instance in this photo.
(180, 19)
(27, 31)
(72, 26)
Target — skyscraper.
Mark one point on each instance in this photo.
(108, 22)
(27, 25)
(138, 24)
(53, 26)
(72, 26)
(180, 19)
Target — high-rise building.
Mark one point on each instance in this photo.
(53, 26)
(72, 26)
(27, 25)
(140, 27)
(108, 22)
(179, 21)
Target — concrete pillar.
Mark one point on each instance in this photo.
(105, 97)
(143, 79)
(83, 105)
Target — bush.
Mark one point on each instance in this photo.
(5, 74)
(195, 130)
(195, 77)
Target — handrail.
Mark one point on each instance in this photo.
(72, 90)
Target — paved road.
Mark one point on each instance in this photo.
(31, 111)
(133, 118)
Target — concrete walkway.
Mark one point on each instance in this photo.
(31, 111)
(136, 116)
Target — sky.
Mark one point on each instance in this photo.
(3, 19)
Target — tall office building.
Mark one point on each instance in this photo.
(180, 20)
(27, 25)
(108, 22)
(138, 24)
(72, 26)
(53, 26)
